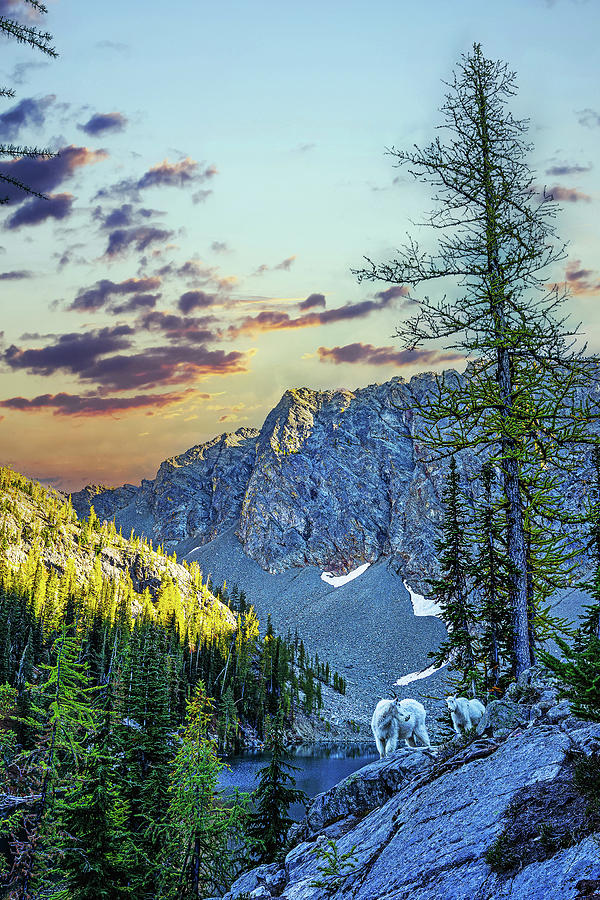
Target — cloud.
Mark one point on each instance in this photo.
(44, 175)
(17, 275)
(568, 169)
(67, 255)
(72, 352)
(97, 296)
(180, 174)
(185, 173)
(274, 320)
(197, 273)
(367, 354)
(27, 112)
(123, 216)
(219, 247)
(20, 72)
(100, 123)
(92, 405)
(191, 329)
(40, 209)
(135, 303)
(117, 46)
(195, 300)
(140, 237)
(568, 195)
(392, 293)
(588, 117)
(163, 366)
(15, 9)
(87, 357)
(232, 413)
(312, 301)
(201, 196)
(580, 280)
(284, 266)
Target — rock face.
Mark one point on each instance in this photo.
(195, 495)
(333, 479)
(419, 827)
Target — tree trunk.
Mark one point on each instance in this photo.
(510, 464)
(518, 557)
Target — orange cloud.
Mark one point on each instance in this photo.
(92, 405)
(578, 280)
(275, 320)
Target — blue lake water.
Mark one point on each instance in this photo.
(320, 766)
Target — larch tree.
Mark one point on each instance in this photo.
(451, 589)
(579, 666)
(270, 822)
(39, 40)
(491, 580)
(497, 241)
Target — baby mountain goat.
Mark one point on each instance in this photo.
(396, 720)
(465, 714)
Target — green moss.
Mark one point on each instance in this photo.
(545, 818)
(501, 856)
(586, 778)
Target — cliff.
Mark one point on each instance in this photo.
(512, 814)
(333, 479)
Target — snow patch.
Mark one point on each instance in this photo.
(191, 551)
(339, 580)
(422, 606)
(416, 676)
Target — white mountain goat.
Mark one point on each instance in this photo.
(396, 720)
(465, 714)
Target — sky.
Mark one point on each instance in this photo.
(222, 168)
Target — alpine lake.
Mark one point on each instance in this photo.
(318, 767)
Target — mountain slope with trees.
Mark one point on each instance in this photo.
(106, 644)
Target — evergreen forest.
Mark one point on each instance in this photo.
(124, 676)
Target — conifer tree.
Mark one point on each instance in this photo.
(490, 582)
(452, 589)
(270, 822)
(198, 857)
(519, 402)
(228, 722)
(95, 847)
(62, 708)
(579, 669)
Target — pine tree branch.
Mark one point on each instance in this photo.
(27, 34)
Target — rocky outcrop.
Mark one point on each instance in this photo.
(195, 495)
(333, 479)
(501, 817)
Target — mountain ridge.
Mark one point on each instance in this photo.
(296, 488)
(332, 479)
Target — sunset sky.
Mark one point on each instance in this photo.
(222, 168)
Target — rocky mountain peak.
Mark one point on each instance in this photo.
(333, 479)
